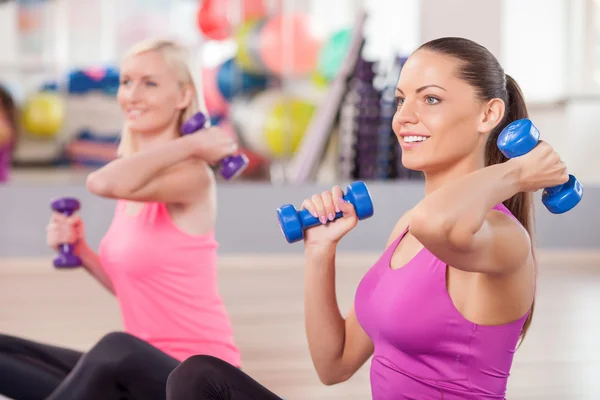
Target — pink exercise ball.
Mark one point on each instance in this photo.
(252, 9)
(302, 50)
(216, 104)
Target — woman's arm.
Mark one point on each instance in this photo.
(174, 172)
(92, 264)
(5, 130)
(4, 137)
(458, 225)
(338, 347)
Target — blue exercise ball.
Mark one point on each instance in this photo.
(233, 81)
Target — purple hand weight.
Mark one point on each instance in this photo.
(66, 259)
(231, 166)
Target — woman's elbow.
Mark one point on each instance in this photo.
(431, 228)
(334, 375)
(329, 379)
(99, 185)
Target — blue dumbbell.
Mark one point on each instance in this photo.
(519, 138)
(293, 222)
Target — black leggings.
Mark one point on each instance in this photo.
(205, 377)
(119, 367)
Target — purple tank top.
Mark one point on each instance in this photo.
(423, 347)
(5, 162)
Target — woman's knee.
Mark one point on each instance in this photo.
(115, 342)
(196, 375)
(9, 343)
(107, 355)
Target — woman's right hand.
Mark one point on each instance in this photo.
(324, 207)
(62, 229)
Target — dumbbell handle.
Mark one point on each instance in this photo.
(308, 220)
(67, 248)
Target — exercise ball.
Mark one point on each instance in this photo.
(216, 104)
(43, 114)
(287, 45)
(212, 19)
(333, 53)
(247, 39)
(233, 81)
(319, 80)
(285, 125)
(253, 9)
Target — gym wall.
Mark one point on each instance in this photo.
(247, 221)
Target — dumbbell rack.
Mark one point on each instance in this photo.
(367, 144)
(368, 148)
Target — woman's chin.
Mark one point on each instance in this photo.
(413, 164)
(141, 128)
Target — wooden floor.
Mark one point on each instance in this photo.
(559, 360)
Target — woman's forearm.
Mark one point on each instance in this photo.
(129, 174)
(325, 326)
(93, 265)
(458, 209)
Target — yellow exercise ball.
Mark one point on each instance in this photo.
(43, 114)
(285, 125)
(247, 38)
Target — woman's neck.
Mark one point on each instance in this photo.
(436, 179)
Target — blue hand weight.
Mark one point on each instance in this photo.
(293, 222)
(519, 138)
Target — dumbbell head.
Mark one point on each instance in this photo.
(66, 258)
(65, 205)
(233, 166)
(518, 138)
(194, 123)
(292, 222)
(358, 194)
(562, 198)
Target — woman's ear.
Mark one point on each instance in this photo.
(186, 97)
(492, 114)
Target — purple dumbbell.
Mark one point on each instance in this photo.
(231, 166)
(65, 258)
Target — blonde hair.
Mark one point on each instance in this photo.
(178, 59)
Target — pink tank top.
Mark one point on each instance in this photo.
(423, 347)
(166, 284)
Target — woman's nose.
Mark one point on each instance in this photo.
(406, 114)
(131, 92)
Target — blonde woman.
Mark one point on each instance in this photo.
(158, 257)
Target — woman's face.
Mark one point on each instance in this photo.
(439, 117)
(150, 95)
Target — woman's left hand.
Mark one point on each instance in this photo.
(212, 144)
